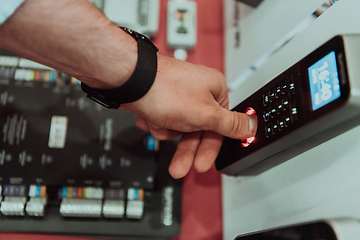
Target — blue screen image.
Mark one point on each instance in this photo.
(324, 81)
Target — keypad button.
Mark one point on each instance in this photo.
(279, 107)
(266, 99)
(278, 91)
(291, 86)
(293, 111)
(272, 95)
(282, 123)
(287, 121)
(268, 131)
(284, 87)
(273, 112)
(285, 104)
(266, 116)
(274, 127)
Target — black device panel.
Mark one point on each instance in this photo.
(285, 106)
(57, 142)
(95, 146)
(310, 231)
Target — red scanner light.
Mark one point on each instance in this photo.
(250, 111)
(247, 141)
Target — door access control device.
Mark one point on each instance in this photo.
(312, 101)
(69, 166)
(330, 229)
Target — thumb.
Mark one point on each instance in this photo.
(234, 124)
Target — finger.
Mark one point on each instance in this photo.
(142, 124)
(185, 154)
(233, 124)
(208, 150)
(162, 133)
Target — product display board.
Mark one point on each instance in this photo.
(70, 166)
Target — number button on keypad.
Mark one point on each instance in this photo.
(279, 107)
(272, 95)
(282, 123)
(266, 115)
(284, 87)
(287, 121)
(273, 112)
(278, 91)
(266, 100)
(293, 111)
(268, 131)
(285, 104)
(291, 86)
(274, 127)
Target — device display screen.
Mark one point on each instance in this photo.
(324, 81)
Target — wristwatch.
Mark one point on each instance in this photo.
(140, 81)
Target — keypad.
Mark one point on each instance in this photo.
(280, 109)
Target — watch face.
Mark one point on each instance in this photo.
(138, 36)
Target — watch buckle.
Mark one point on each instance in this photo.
(104, 102)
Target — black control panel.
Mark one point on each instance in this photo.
(280, 109)
(297, 105)
(70, 166)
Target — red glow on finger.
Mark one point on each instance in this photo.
(247, 141)
(250, 111)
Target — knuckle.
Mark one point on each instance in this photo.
(141, 125)
(163, 134)
(239, 124)
(157, 135)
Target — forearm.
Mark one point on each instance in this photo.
(77, 39)
(73, 37)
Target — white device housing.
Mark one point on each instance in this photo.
(310, 132)
(181, 33)
(139, 15)
(251, 35)
(322, 183)
(345, 229)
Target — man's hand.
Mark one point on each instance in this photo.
(76, 38)
(193, 100)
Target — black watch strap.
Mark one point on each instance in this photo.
(138, 84)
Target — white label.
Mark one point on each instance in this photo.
(30, 64)
(57, 135)
(94, 193)
(8, 61)
(32, 191)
